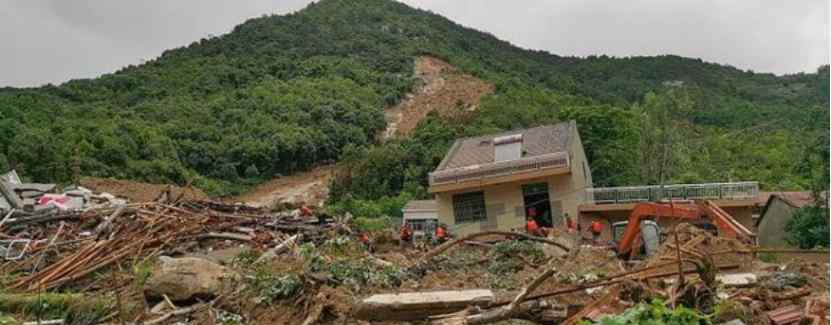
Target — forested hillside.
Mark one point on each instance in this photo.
(280, 94)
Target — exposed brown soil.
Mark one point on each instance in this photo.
(443, 89)
(310, 188)
(138, 191)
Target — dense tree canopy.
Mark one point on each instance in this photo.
(282, 93)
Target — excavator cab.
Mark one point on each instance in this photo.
(650, 236)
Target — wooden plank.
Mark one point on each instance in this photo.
(420, 305)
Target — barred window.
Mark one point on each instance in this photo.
(469, 207)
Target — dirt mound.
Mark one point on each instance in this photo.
(443, 89)
(138, 191)
(310, 188)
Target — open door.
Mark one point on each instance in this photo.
(537, 204)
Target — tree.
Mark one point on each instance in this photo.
(610, 137)
(809, 227)
(661, 134)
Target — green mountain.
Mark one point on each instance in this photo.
(279, 94)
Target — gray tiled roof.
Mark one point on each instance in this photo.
(535, 142)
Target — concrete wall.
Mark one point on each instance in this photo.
(572, 191)
(771, 232)
(503, 206)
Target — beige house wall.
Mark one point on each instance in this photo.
(504, 204)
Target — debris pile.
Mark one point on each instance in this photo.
(181, 259)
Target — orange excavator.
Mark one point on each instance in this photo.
(641, 234)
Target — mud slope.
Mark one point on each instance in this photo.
(443, 89)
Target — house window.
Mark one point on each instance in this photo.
(416, 225)
(469, 207)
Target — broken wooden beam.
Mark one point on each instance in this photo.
(420, 305)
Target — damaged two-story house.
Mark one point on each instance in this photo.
(495, 182)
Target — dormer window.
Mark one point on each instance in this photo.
(507, 147)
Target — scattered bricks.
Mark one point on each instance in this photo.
(791, 314)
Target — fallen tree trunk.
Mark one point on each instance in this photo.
(271, 253)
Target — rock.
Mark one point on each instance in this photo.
(779, 281)
(737, 280)
(187, 278)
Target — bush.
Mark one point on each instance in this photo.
(656, 313)
(275, 287)
(809, 228)
(373, 224)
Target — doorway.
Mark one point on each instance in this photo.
(537, 204)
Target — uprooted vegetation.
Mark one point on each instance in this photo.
(178, 260)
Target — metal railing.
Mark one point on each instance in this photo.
(708, 191)
(500, 168)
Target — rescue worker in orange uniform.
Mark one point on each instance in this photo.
(441, 234)
(364, 239)
(596, 229)
(532, 228)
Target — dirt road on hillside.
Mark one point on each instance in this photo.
(310, 188)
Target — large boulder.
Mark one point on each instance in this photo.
(187, 278)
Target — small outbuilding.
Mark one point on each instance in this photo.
(422, 216)
(777, 212)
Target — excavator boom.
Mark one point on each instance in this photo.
(649, 209)
(726, 224)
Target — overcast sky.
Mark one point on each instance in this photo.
(52, 41)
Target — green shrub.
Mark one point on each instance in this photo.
(246, 257)
(728, 310)
(274, 287)
(768, 257)
(656, 313)
(809, 228)
(372, 224)
(74, 308)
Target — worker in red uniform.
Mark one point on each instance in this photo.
(532, 228)
(405, 234)
(364, 239)
(441, 234)
(596, 229)
(305, 211)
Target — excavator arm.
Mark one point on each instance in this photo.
(649, 209)
(726, 224)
